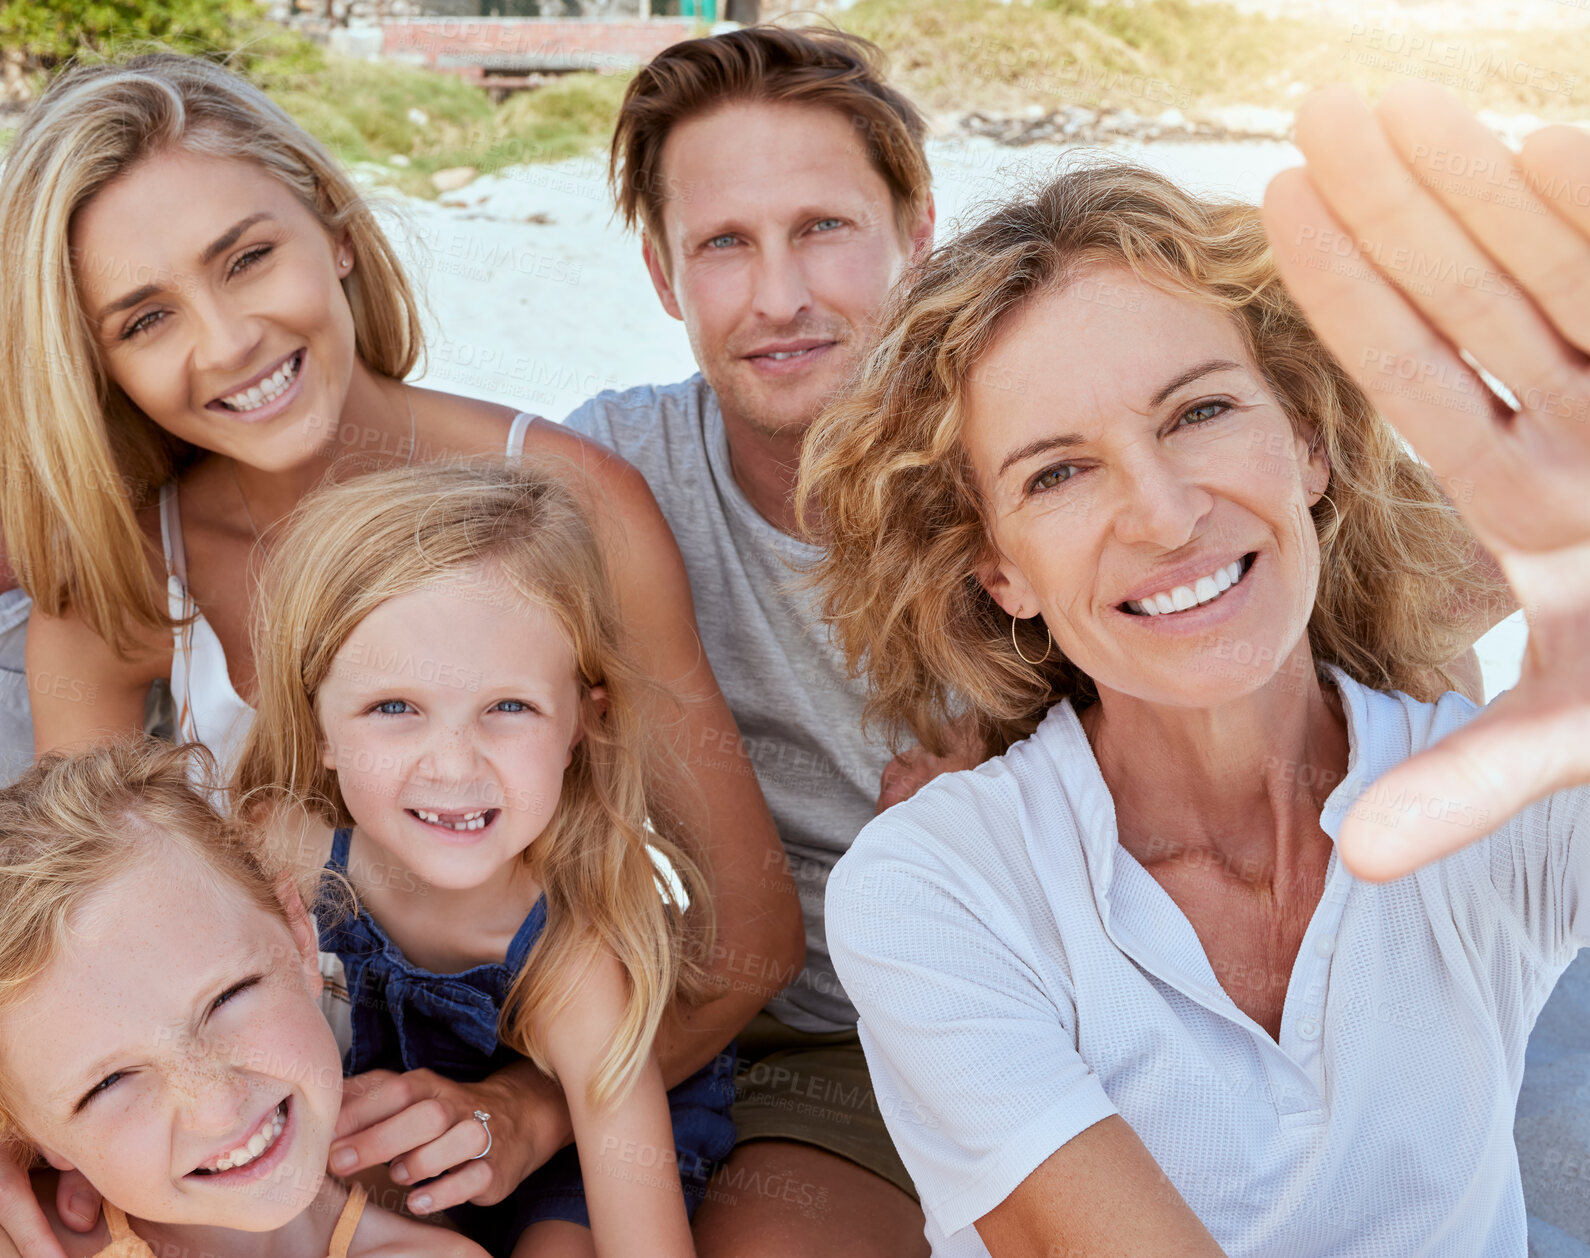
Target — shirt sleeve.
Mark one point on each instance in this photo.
(1540, 866)
(591, 419)
(974, 1063)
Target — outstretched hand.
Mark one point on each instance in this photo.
(1451, 277)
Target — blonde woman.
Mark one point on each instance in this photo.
(201, 316)
(1103, 491)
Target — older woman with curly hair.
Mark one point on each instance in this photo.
(1144, 984)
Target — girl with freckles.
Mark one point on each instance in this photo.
(159, 1027)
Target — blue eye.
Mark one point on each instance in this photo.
(827, 224)
(1203, 412)
(392, 707)
(718, 241)
(1052, 476)
(512, 705)
(104, 1085)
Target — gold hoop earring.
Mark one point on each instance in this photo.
(1336, 514)
(1047, 646)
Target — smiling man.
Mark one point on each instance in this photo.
(780, 187)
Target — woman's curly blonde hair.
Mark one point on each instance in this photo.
(886, 484)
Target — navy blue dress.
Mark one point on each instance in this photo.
(406, 1018)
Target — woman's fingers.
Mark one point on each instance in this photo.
(20, 1216)
(458, 1144)
(467, 1183)
(419, 1124)
(1524, 747)
(369, 1098)
(1519, 480)
(1420, 247)
(77, 1201)
(1467, 170)
(1556, 165)
(1411, 374)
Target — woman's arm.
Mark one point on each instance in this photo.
(760, 930)
(627, 1157)
(79, 689)
(1100, 1195)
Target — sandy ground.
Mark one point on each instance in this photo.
(544, 301)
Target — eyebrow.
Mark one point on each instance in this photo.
(1205, 368)
(216, 247)
(1042, 445)
(1065, 441)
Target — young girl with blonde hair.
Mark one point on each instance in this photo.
(158, 1021)
(443, 679)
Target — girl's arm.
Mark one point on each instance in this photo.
(79, 689)
(627, 1157)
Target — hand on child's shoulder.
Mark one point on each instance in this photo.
(75, 1244)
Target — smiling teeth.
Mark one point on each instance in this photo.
(1204, 590)
(786, 353)
(267, 390)
(260, 1141)
(470, 820)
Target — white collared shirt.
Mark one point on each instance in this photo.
(1020, 976)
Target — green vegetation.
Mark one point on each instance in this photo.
(47, 32)
(1149, 55)
(363, 111)
(950, 55)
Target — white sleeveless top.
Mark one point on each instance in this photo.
(209, 710)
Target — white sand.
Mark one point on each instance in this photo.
(544, 299)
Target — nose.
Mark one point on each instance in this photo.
(225, 339)
(1160, 504)
(449, 757)
(781, 292)
(212, 1091)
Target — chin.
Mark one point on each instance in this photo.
(1225, 671)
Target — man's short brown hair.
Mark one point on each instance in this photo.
(812, 66)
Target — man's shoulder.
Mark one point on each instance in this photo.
(629, 418)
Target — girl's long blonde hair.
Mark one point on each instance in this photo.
(73, 823)
(352, 547)
(77, 459)
(886, 479)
